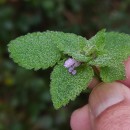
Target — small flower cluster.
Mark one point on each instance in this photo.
(71, 64)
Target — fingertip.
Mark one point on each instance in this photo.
(105, 95)
(109, 106)
(80, 119)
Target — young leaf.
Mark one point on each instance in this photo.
(112, 73)
(78, 47)
(72, 45)
(97, 41)
(95, 46)
(35, 50)
(116, 50)
(65, 86)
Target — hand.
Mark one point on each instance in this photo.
(108, 107)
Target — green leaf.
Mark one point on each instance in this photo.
(118, 45)
(96, 44)
(72, 45)
(116, 50)
(70, 42)
(78, 47)
(35, 50)
(66, 87)
(112, 73)
(98, 40)
(105, 60)
(80, 57)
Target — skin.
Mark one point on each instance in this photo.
(108, 107)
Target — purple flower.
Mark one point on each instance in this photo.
(68, 63)
(71, 64)
(73, 72)
(70, 69)
(76, 64)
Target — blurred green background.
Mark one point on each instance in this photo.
(25, 102)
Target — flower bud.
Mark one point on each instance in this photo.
(73, 72)
(70, 62)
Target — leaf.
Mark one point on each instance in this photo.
(72, 45)
(80, 57)
(94, 46)
(104, 60)
(99, 40)
(78, 47)
(118, 44)
(112, 73)
(35, 50)
(116, 50)
(66, 87)
(70, 42)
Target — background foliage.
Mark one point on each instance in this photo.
(24, 95)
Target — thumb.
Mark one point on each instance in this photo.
(109, 105)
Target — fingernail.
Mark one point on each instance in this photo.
(104, 96)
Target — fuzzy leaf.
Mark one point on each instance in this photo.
(105, 60)
(78, 47)
(117, 46)
(112, 73)
(66, 87)
(94, 46)
(98, 40)
(72, 45)
(35, 50)
(116, 50)
(80, 57)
